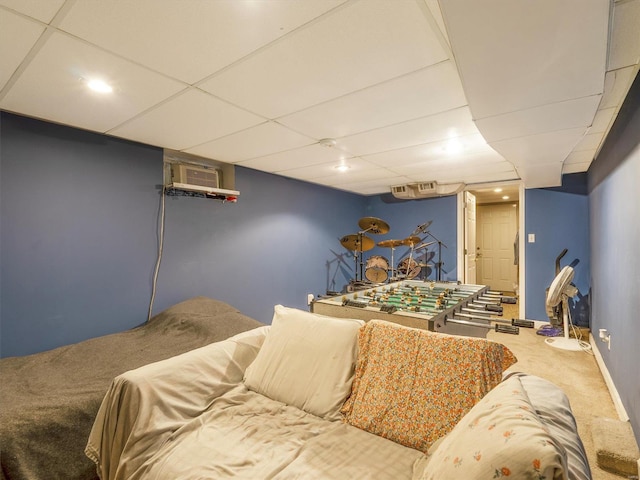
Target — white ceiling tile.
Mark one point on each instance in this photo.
(190, 118)
(450, 124)
(434, 151)
(21, 34)
(616, 86)
(296, 158)
(625, 39)
(436, 13)
(534, 57)
(51, 87)
(431, 90)
(188, 40)
(365, 44)
(554, 116)
(589, 142)
(603, 120)
(575, 167)
(584, 156)
(264, 139)
(452, 169)
(539, 149)
(43, 10)
(541, 175)
(359, 170)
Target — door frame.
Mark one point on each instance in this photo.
(461, 273)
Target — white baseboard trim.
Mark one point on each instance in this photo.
(615, 397)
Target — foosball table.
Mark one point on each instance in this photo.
(446, 307)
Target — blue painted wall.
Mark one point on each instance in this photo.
(77, 234)
(278, 243)
(558, 220)
(614, 201)
(404, 217)
(79, 243)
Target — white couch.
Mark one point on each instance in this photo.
(317, 397)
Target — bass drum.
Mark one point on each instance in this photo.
(376, 269)
(408, 269)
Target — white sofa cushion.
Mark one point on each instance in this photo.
(307, 360)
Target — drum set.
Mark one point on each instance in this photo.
(377, 268)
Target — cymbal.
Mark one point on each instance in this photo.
(373, 225)
(390, 243)
(411, 241)
(360, 243)
(422, 228)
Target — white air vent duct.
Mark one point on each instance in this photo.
(403, 191)
(425, 190)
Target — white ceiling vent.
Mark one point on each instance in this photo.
(425, 190)
(403, 191)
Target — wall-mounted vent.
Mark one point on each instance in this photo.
(191, 175)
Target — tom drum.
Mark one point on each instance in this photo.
(408, 269)
(376, 269)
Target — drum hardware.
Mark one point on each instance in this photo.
(439, 263)
(360, 242)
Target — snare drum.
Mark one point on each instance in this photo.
(408, 269)
(376, 269)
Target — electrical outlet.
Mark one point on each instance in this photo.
(310, 298)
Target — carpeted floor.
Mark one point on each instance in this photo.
(575, 372)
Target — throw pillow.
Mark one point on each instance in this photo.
(307, 360)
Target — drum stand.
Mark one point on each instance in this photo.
(392, 277)
(439, 263)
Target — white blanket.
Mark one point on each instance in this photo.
(192, 417)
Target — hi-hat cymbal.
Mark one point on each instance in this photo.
(359, 243)
(411, 241)
(373, 225)
(390, 243)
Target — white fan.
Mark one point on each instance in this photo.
(561, 290)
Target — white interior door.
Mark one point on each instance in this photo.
(497, 227)
(470, 238)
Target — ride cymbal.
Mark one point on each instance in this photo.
(373, 225)
(390, 243)
(359, 243)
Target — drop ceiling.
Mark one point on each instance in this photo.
(408, 91)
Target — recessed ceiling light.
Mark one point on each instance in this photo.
(454, 146)
(497, 190)
(99, 86)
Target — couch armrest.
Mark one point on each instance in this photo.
(146, 405)
(553, 408)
